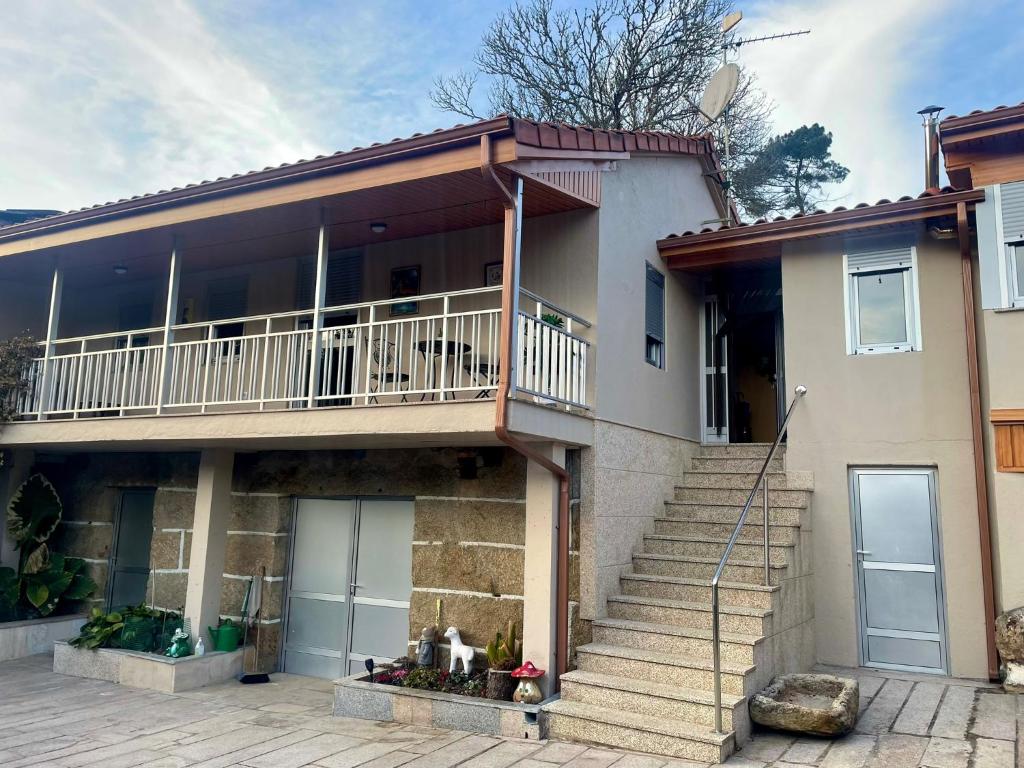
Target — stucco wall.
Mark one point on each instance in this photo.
(643, 200)
(903, 409)
(1000, 342)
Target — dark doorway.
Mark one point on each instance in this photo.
(129, 555)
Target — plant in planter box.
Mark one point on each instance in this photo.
(552, 319)
(503, 655)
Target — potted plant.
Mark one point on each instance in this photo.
(503, 655)
(552, 319)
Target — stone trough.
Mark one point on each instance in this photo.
(816, 705)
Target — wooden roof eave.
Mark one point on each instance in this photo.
(705, 247)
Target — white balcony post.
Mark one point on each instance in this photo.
(52, 322)
(170, 314)
(318, 308)
(517, 223)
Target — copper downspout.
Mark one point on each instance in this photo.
(501, 419)
(980, 478)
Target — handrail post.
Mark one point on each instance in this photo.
(767, 555)
(318, 309)
(53, 320)
(761, 482)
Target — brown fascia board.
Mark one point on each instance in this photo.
(981, 125)
(282, 174)
(818, 225)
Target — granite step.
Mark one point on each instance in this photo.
(778, 514)
(628, 730)
(710, 546)
(697, 590)
(736, 647)
(749, 572)
(738, 496)
(645, 697)
(733, 464)
(659, 610)
(793, 481)
(703, 529)
(668, 668)
(740, 450)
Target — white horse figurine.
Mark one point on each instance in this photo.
(459, 651)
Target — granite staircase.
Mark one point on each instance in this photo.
(646, 682)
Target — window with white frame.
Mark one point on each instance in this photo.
(1016, 274)
(881, 301)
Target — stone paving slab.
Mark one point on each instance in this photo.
(52, 721)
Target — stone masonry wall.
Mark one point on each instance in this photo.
(468, 549)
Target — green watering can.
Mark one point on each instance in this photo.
(226, 636)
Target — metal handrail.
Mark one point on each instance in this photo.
(762, 481)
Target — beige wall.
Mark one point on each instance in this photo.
(1000, 342)
(902, 409)
(643, 200)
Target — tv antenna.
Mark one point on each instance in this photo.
(721, 89)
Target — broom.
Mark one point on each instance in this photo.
(256, 590)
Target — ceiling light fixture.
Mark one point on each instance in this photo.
(378, 227)
(120, 269)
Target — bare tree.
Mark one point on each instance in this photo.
(623, 64)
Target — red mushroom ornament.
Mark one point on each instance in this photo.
(528, 692)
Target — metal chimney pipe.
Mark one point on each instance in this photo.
(930, 121)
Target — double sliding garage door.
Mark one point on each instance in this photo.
(899, 569)
(349, 585)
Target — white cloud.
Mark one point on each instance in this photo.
(107, 100)
(862, 72)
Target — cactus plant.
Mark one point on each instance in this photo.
(505, 651)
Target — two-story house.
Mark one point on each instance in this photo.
(467, 377)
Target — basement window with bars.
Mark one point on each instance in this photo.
(881, 301)
(654, 318)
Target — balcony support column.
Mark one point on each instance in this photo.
(52, 324)
(319, 297)
(209, 540)
(170, 317)
(540, 579)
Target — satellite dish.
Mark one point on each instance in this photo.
(731, 21)
(721, 88)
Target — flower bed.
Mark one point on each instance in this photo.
(405, 674)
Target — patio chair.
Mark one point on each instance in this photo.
(382, 373)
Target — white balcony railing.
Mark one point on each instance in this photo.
(369, 353)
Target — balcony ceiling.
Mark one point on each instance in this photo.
(432, 205)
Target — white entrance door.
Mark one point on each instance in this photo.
(714, 385)
(351, 579)
(899, 572)
(383, 582)
(316, 638)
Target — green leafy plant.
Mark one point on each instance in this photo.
(104, 630)
(15, 358)
(505, 652)
(61, 579)
(552, 319)
(32, 516)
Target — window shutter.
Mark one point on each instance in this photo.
(1012, 204)
(654, 314)
(344, 279)
(990, 250)
(228, 298)
(878, 258)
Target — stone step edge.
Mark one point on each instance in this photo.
(772, 506)
(772, 489)
(696, 517)
(660, 657)
(696, 633)
(711, 539)
(651, 688)
(710, 561)
(678, 729)
(690, 581)
(685, 605)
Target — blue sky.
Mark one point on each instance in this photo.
(102, 100)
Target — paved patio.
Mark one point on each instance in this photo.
(53, 720)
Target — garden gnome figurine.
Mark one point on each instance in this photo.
(528, 692)
(426, 647)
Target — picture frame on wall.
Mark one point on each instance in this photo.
(493, 273)
(405, 282)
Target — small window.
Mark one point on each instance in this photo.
(654, 318)
(882, 301)
(228, 299)
(1017, 274)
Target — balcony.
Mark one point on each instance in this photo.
(438, 347)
